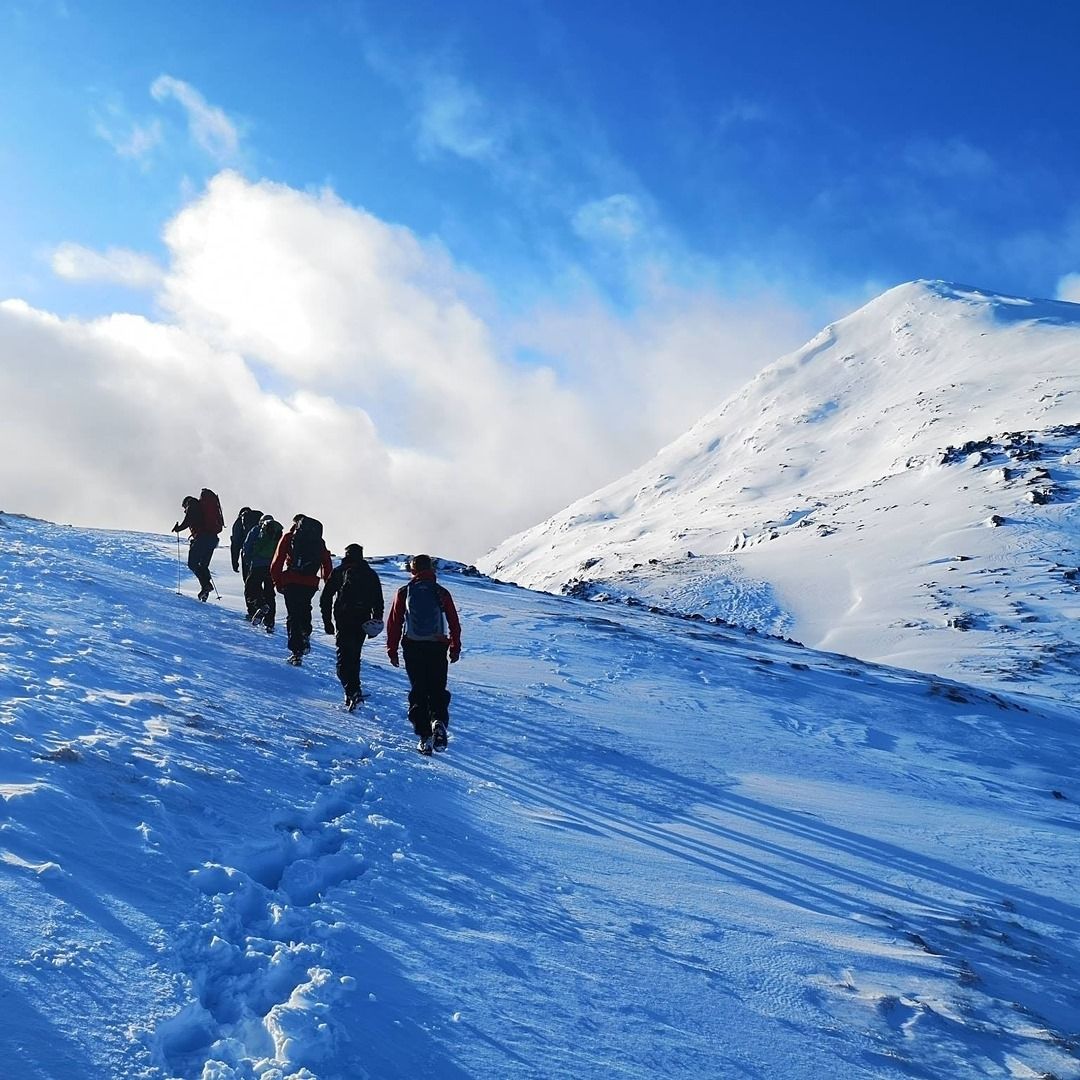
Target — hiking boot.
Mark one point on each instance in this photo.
(438, 735)
(203, 594)
(424, 746)
(269, 628)
(295, 659)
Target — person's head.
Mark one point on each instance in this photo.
(188, 501)
(266, 519)
(420, 564)
(245, 509)
(297, 518)
(354, 552)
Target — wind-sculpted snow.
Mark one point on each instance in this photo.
(907, 477)
(655, 847)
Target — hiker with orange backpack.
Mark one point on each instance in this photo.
(203, 517)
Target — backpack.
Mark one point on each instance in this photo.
(424, 618)
(267, 541)
(213, 520)
(354, 594)
(248, 520)
(307, 547)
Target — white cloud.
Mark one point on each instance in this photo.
(210, 127)
(1068, 288)
(119, 265)
(317, 358)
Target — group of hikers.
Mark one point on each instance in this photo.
(422, 622)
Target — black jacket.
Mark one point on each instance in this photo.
(351, 611)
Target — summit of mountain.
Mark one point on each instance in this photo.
(901, 488)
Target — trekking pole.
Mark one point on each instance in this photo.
(177, 564)
(213, 585)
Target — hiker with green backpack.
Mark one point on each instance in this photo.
(300, 560)
(256, 555)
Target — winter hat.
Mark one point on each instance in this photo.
(354, 551)
(419, 563)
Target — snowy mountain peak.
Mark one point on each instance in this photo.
(846, 440)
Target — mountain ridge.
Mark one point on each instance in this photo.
(890, 391)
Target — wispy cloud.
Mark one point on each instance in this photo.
(120, 266)
(949, 159)
(741, 111)
(454, 118)
(616, 219)
(131, 139)
(1068, 288)
(209, 126)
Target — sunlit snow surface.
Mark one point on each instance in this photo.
(654, 848)
(904, 488)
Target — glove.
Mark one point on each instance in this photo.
(235, 568)
(328, 626)
(175, 528)
(455, 655)
(394, 662)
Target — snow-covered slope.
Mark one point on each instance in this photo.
(903, 488)
(654, 848)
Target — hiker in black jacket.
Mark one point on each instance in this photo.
(353, 599)
(245, 521)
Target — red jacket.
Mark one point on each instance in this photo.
(282, 574)
(395, 621)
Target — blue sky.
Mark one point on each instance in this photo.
(442, 232)
(815, 148)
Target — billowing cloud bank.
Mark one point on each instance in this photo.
(312, 357)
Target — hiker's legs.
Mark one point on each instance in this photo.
(298, 615)
(200, 552)
(349, 643)
(426, 664)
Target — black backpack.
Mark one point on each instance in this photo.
(354, 594)
(424, 618)
(307, 547)
(248, 520)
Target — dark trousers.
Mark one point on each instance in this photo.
(259, 593)
(427, 665)
(298, 615)
(200, 552)
(349, 643)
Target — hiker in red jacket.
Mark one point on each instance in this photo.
(424, 621)
(203, 517)
(300, 560)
